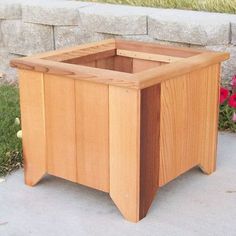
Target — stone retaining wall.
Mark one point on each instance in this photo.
(28, 27)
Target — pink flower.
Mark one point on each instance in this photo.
(234, 117)
(224, 93)
(233, 82)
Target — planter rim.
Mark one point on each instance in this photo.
(56, 62)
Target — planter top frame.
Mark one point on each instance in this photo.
(66, 62)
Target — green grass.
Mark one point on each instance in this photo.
(225, 6)
(10, 145)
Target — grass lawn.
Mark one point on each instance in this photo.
(226, 6)
(10, 145)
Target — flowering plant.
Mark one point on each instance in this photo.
(227, 117)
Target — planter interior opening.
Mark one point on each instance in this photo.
(128, 57)
(118, 63)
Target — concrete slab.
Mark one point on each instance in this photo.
(193, 204)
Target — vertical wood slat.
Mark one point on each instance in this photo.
(124, 133)
(92, 135)
(60, 126)
(149, 147)
(188, 124)
(33, 125)
(207, 158)
(173, 124)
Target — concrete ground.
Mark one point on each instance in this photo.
(193, 204)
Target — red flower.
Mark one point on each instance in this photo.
(224, 93)
(232, 101)
(233, 81)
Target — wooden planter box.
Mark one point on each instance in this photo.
(119, 116)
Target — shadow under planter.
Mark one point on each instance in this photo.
(119, 116)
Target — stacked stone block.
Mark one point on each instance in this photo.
(28, 27)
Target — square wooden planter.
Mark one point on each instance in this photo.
(119, 116)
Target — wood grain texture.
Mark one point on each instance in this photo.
(156, 48)
(147, 56)
(90, 64)
(188, 123)
(210, 125)
(78, 72)
(176, 154)
(106, 63)
(123, 64)
(60, 126)
(92, 135)
(92, 57)
(68, 50)
(124, 133)
(141, 65)
(173, 70)
(149, 147)
(33, 125)
(83, 52)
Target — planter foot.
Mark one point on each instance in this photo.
(208, 164)
(32, 178)
(209, 169)
(134, 211)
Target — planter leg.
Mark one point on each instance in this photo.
(33, 125)
(209, 150)
(134, 162)
(209, 153)
(124, 150)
